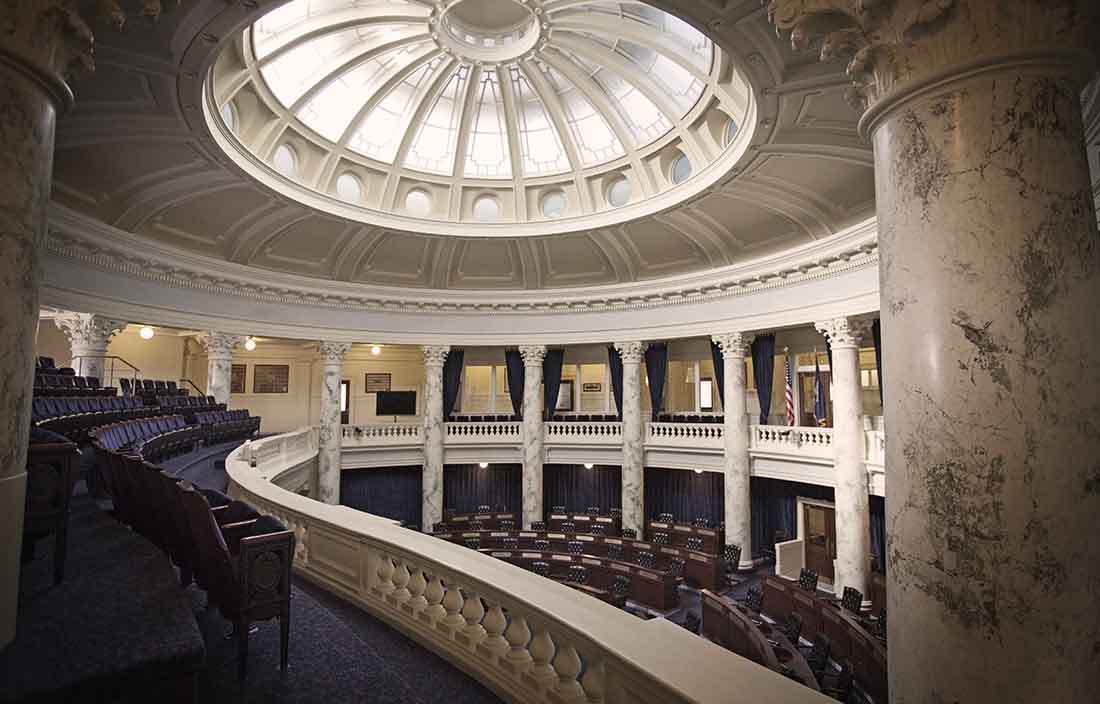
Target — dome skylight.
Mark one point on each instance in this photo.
(531, 97)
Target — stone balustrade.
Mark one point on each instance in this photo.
(506, 432)
(698, 435)
(578, 433)
(527, 638)
(801, 441)
(383, 435)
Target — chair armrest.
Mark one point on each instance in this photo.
(264, 573)
(233, 533)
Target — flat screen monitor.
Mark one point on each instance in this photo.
(395, 403)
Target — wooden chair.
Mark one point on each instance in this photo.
(51, 473)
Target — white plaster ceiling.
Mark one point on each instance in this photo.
(137, 154)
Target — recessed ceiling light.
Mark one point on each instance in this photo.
(588, 465)
(376, 350)
(250, 344)
(146, 333)
(483, 465)
(698, 471)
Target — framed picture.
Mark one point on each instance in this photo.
(271, 379)
(592, 387)
(236, 378)
(377, 382)
(565, 396)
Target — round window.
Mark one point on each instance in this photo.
(731, 132)
(618, 193)
(553, 204)
(418, 203)
(486, 209)
(286, 161)
(349, 188)
(681, 169)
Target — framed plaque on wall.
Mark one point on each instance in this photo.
(236, 378)
(271, 379)
(377, 382)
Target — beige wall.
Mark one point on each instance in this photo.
(159, 358)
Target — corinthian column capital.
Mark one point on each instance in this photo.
(435, 355)
(86, 330)
(532, 355)
(333, 352)
(734, 345)
(220, 344)
(843, 332)
(896, 46)
(631, 352)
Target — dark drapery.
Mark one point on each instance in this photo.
(577, 488)
(513, 364)
(763, 369)
(719, 370)
(684, 494)
(452, 380)
(393, 492)
(774, 509)
(876, 337)
(656, 369)
(878, 531)
(551, 379)
(467, 486)
(615, 366)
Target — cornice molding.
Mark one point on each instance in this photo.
(85, 239)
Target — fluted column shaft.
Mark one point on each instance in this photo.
(990, 274)
(38, 42)
(853, 509)
(533, 356)
(633, 467)
(89, 335)
(219, 363)
(330, 433)
(432, 483)
(736, 484)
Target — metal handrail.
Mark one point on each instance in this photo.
(134, 371)
(193, 386)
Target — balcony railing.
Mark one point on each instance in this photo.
(588, 433)
(792, 440)
(508, 432)
(527, 638)
(383, 435)
(696, 435)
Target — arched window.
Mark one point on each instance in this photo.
(553, 204)
(731, 132)
(681, 169)
(229, 117)
(486, 209)
(286, 160)
(618, 193)
(418, 203)
(349, 188)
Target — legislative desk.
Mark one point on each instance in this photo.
(679, 533)
(849, 638)
(488, 520)
(700, 569)
(735, 628)
(612, 525)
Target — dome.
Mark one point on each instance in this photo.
(464, 117)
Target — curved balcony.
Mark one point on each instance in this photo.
(528, 638)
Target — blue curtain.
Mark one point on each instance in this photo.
(656, 370)
(763, 369)
(513, 364)
(615, 366)
(551, 379)
(393, 492)
(876, 336)
(467, 486)
(878, 532)
(577, 488)
(452, 380)
(774, 509)
(719, 370)
(684, 494)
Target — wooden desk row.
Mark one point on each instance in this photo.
(613, 525)
(700, 569)
(850, 640)
(713, 538)
(489, 521)
(651, 587)
(733, 627)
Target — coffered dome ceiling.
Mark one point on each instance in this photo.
(471, 144)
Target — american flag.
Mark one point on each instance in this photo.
(790, 389)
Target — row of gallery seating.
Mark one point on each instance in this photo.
(68, 384)
(74, 417)
(150, 387)
(187, 405)
(222, 426)
(585, 418)
(163, 437)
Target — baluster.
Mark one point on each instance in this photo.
(593, 682)
(541, 673)
(433, 595)
(452, 604)
(473, 611)
(385, 576)
(400, 582)
(494, 644)
(568, 666)
(417, 585)
(518, 660)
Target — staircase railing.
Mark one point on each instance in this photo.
(190, 383)
(109, 377)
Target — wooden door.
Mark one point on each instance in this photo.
(819, 535)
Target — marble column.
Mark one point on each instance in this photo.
(39, 43)
(432, 486)
(89, 335)
(738, 496)
(329, 426)
(219, 348)
(532, 432)
(990, 274)
(633, 467)
(853, 509)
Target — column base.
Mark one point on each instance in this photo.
(12, 497)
